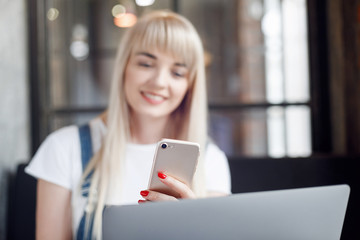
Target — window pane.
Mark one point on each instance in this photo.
(288, 131)
(285, 29)
(240, 133)
(276, 137)
(275, 131)
(298, 135)
(272, 29)
(295, 51)
(231, 31)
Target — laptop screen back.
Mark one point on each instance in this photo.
(303, 214)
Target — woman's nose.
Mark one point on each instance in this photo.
(160, 78)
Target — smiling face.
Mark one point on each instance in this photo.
(155, 84)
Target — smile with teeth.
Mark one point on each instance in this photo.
(153, 98)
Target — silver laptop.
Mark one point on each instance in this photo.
(315, 213)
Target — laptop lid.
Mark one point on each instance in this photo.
(303, 214)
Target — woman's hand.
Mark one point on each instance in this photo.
(182, 189)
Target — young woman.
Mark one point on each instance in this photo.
(158, 91)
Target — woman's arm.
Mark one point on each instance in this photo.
(53, 211)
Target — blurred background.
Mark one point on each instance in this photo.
(283, 75)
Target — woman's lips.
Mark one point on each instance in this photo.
(153, 98)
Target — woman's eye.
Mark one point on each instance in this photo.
(145, 64)
(179, 74)
(176, 74)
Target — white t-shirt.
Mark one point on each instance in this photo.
(58, 160)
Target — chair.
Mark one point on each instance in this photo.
(22, 204)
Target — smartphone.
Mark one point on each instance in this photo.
(174, 158)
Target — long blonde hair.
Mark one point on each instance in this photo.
(173, 34)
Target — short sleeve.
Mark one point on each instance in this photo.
(53, 160)
(217, 170)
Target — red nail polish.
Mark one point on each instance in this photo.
(144, 193)
(141, 201)
(161, 175)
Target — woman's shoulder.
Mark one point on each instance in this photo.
(72, 131)
(62, 137)
(57, 157)
(68, 137)
(62, 141)
(64, 132)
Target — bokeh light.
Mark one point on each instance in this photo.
(118, 10)
(144, 3)
(125, 20)
(79, 50)
(52, 14)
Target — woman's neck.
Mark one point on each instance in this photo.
(145, 130)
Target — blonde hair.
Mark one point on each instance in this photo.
(172, 34)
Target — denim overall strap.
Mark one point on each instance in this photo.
(85, 144)
(86, 155)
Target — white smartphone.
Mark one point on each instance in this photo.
(177, 159)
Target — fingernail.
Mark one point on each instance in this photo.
(144, 193)
(141, 201)
(161, 175)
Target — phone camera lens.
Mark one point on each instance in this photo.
(164, 145)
